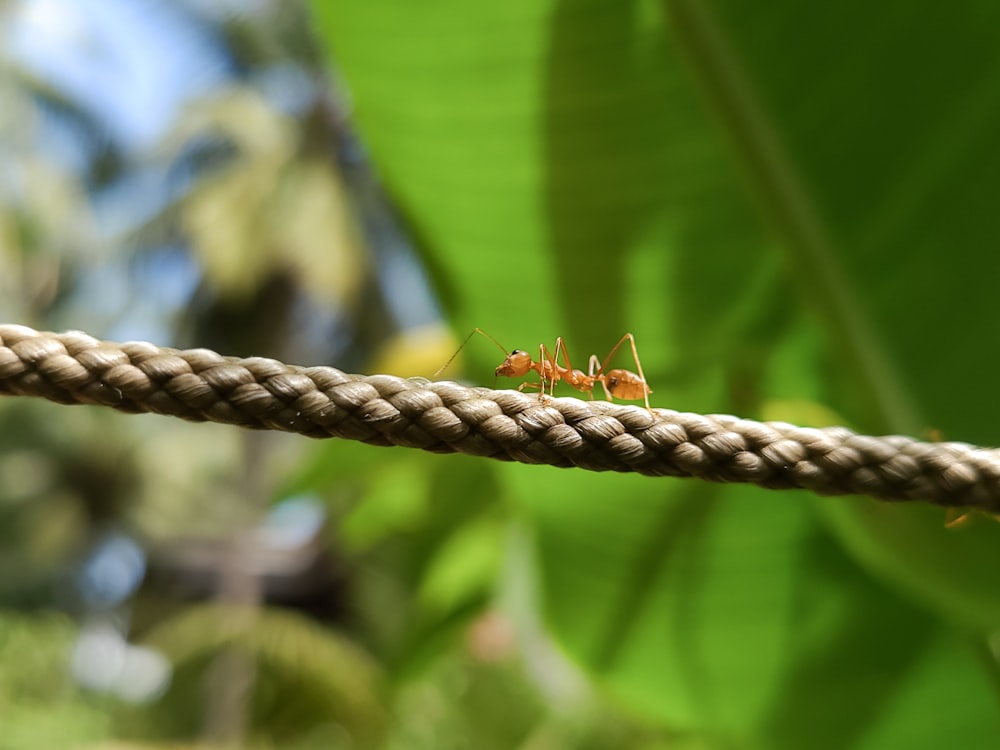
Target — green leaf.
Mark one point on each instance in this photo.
(463, 568)
(586, 168)
(867, 211)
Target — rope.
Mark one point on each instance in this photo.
(445, 417)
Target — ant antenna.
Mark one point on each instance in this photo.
(460, 348)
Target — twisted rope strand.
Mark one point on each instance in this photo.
(445, 417)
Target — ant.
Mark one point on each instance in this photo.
(624, 384)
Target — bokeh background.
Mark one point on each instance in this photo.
(791, 205)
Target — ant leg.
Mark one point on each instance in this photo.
(561, 347)
(638, 366)
(595, 370)
(542, 360)
(575, 378)
(545, 358)
(567, 373)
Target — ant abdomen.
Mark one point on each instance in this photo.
(626, 385)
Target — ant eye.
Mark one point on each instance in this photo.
(516, 351)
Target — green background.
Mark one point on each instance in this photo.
(791, 207)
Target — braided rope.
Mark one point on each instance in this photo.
(445, 417)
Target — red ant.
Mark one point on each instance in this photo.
(624, 384)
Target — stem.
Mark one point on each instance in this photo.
(788, 204)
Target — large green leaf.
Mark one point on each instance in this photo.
(582, 168)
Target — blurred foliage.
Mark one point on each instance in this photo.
(296, 215)
(305, 679)
(789, 208)
(583, 168)
(39, 703)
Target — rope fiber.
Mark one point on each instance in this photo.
(444, 417)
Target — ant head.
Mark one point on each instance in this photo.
(515, 365)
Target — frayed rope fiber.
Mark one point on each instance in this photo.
(445, 417)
